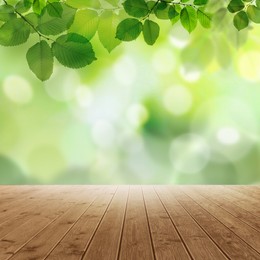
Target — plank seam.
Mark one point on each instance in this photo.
(98, 225)
(224, 225)
(203, 230)
(95, 198)
(228, 211)
(148, 223)
(123, 225)
(185, 246)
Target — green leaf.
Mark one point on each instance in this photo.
(136, 8)
(188, 18)
(241, 20)
(172, 12)
(200, 2)
(14, 32)
(38, 6)
(107, 30)
(73, 51)
(113, 2)
(161, 11)
(85, 23)
(235, 6)
(6, 12)
(80, 4)
(204, 18)
(49, 25)
(151, 32)
(23, 6)
(129, 29)
(40, 60)
(55, 9)
(253, 13)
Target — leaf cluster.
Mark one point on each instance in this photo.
(66, 28)
(244, 11)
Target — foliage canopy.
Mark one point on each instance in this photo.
(65, 28)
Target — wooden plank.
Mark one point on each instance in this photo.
(245, 232)
(243, 201)
(231, 244)
(250, 191)
(166, 240)
(16, 207)
(33, 239)
(136, 239)
(222, 201)
(106, 241)
(37, 205)
(74, 244)
(197, 241)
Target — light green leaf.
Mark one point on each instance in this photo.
(188, 18)
(14, 32)
(85, 23)
(136, 8)
(107, 30)
(204, 18)
(73, 51)
(129, 29)
(80, 4)
(38, 6)
(151, 32)
(40, 60)
(253, 13)
(241, 20)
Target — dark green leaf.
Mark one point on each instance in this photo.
(162, 11)
(50, 25)
(40, 60)
(172, 13)
(136, 8)
(23, 6)
(235, 6)
(73, 51)
(55, 9)
(151, 32)
(200, 2)
(241, 20)
(129, 29)
(6, 12)
(14, 32)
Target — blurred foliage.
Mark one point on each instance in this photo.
(184, 111)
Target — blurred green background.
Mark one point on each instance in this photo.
(184, 111)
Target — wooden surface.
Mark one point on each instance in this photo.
(129, 222)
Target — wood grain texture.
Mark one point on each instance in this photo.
(129, 222)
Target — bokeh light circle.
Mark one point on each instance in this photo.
(17, 89)
(227, 124)
(177, 100)
(189, 153)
